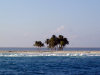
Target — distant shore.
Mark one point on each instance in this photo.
(33, 52)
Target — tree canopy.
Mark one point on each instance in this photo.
(38, 44)
(54, 42)
(57, 42)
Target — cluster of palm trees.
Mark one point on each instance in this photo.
(54, 42)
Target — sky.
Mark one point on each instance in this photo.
(24, 21)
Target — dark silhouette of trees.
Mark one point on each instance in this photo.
(47, 42)
(38, 44)
(57, 42)
(62, 42)
(54, 42)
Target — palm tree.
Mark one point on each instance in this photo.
(38, 44)
(57, 42)
(47, 41)
(62, 42)
(52, 42)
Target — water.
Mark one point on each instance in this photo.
(49, 64)
(32, 49)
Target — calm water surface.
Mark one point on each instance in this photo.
(32, 49)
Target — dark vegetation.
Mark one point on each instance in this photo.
(54, 42)
(38, 44)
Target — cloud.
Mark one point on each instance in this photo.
(59, 29)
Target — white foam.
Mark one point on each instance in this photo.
(45, 54)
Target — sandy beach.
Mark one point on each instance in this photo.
(33, 52)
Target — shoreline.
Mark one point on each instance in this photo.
(33, 52)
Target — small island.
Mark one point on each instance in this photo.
(55, 46)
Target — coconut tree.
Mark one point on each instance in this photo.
(57, 42)
(62, 42)
(38, 44)
(47, 42)
(52, 42)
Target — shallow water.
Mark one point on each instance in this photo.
(32, 49)
(50, 65)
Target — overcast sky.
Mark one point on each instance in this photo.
(24, 21)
